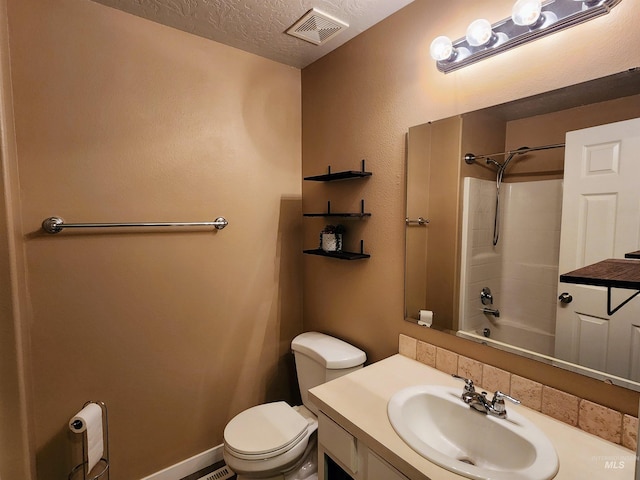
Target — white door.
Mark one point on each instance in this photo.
(600, 220)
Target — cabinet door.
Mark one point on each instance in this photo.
(333, 471)
(338, 443)
(378, 469)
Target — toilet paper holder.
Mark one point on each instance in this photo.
(104, 460)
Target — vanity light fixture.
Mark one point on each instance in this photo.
(530, 19)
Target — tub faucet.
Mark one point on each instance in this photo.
(491, 311)
(479, 401)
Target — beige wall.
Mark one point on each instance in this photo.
(121, 120)
(15, 458)
(551, 128)
(360, 100)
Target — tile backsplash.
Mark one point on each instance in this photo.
(591, 417)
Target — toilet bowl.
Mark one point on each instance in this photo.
(269, 440)
(276, 441)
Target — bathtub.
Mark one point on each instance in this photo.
(514, 337)
(506, 329)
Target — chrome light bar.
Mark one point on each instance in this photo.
(554, 15)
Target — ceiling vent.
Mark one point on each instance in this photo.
(317, 27)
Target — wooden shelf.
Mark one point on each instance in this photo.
(612, 273)
(346, 175)
(340, 255)
(615, 272)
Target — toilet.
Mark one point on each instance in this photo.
(275, 441)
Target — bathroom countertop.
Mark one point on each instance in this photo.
(358, 402)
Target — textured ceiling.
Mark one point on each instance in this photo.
(258, 26)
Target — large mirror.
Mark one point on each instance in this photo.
(483, 236)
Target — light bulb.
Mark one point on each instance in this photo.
(479, 33)
(441, 49)
(526, 12)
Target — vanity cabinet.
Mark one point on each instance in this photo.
(355, 434)
(343, 456)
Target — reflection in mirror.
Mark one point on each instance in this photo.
(452, 259)
(431, 184)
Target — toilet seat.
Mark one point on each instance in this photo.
(265, 431)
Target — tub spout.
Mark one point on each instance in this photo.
(491, 311)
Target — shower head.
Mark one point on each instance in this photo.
(471, 158)
(513, 153)
(519, 151)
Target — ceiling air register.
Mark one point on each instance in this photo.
(317, 27)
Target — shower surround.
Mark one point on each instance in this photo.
(521, 270)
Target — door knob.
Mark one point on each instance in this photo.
(565, 297)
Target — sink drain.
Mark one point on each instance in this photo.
(466, 460)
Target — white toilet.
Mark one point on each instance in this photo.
(275, 441)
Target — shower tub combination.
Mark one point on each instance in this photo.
(510, 244)
(513, 336)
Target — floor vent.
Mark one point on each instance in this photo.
(220, 474)
(317, 27)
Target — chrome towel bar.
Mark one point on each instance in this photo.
(419, 221)
(56, 224)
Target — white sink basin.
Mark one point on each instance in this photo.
(437, 424)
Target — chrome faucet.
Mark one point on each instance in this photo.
(486, 297)
(491, 311)
(479, 401)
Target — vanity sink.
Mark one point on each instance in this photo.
(435, 422)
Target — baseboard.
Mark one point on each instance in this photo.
(189, 466)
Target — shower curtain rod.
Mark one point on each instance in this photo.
(470, 157)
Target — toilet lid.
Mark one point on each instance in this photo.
(265, 430)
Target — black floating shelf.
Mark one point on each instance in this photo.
(354, 215)
(340, 255)
(329, 177)
(329, 213)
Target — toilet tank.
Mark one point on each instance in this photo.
(320, 358)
